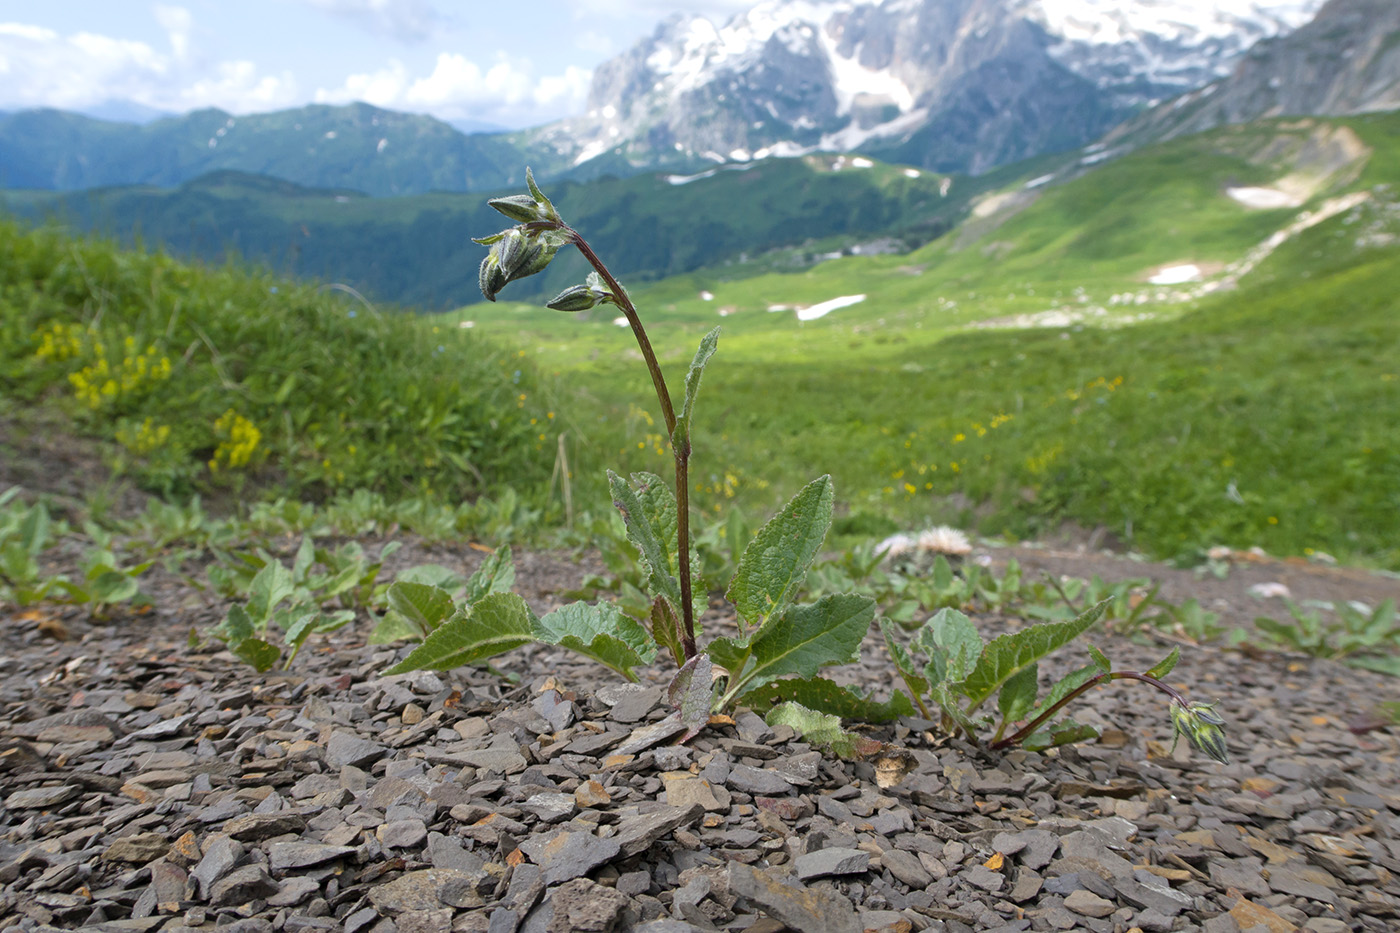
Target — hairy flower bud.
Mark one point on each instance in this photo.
(520, 207)
(489, 277)
(1202, 727)
(514, 249)
(574, 298)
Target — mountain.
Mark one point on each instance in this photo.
(951, 85)
(417, 249)
(1346, 61)
(380, 152)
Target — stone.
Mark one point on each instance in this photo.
(809, 909)
(635, 834)
(906, 868)
(41, 798)
(1036, 847)
(647, 736)
(563, 855)
(1249, 915)
(550, 808)
(684, 789)
(833, 861)
(284, 856)
(424, 921)
(140, 848)
(417, 890)
(221, 854)
(293, 891)
(254, 827)
(751, 780)
(241, 886)
(591, 794)
(584, 906)
(500, 760)
(983, 877)
(347, 748)
(402, 834)
(1089, 904)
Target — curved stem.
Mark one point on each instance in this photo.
(668, 412)
(1020, 734)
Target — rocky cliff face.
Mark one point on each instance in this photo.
(1346, 61)
(952, 85)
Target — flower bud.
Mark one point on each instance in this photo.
(514, 250)
(490, 277)
(519, 207)
(1202, 727)
(574, 298)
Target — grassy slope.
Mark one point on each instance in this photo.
(1255, 416)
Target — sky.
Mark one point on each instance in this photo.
(512, 64)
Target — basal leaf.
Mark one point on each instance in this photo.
(1008, 654)
(1164, 667)
(823, 695)
(272, 584)
(692, 694)
(496, 624)
(495, 575)
(951, 704)
(807, 638)
(1018, 693)
(820, 729)
(648, 510)
(257, 652)
(952, 644)
(422, 606)
(775, 564)
(236, 627)
(681, 437)
(393, 627)
(113, 586)
(601, 632)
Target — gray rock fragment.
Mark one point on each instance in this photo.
(809, 909)
(563, 855)
(833, 861)
(584, 906)
(241, 886)
(348, 748)
(284, 856)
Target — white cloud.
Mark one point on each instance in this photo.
(47, 69)
(458, 88)
(405, 20)
(650, 11)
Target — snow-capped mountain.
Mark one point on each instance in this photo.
(947, 84)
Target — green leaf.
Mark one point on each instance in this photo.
(305, 558)
(802, 641)
(1164, 667)
(916, 682)
(774, 565)
(258, 653)
(1064, 732)
(236, 627)
(821, 729)
(692, 694)
(393, 627)
(666, 629)
(680, 438)
(431, 574)
(601, 632)
(1099, 657)
(1018, 693)
(272, 584)
(649, 514)
(495, 575)
(297, 631)
(1006, 655)
(113, 586)
(496, 624)
(951, 704)
(1065, 686)
(819, 693)
(952, 643)
(422, 606)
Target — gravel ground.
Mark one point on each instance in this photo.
(147, 785)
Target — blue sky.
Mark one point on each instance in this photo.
(513, 64)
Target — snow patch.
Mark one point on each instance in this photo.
(1037, 182)
(812, 312)
(1176, 275)
(912, 173)
(1263, 199)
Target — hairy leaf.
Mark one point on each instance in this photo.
(257, 652)
(649, 514)
(1099, 657)
(666, 628)
(1164, 667)
(952, 643)
(495, 575)
(774, 565)
(916, 682)
(422, 606)
(496, 624)
(951, 704)
(1065, 686)
(802, 641)
(393, 627)
(272, 584)
(1064, 732)
(601, 632)
(1018, 693)
(820, 729)
(692, 694)
(819, 693)
(681, 437)
(1008, 654)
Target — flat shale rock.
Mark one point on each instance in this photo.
(149, 786)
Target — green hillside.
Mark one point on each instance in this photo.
(417, 250)
(1024, 370)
